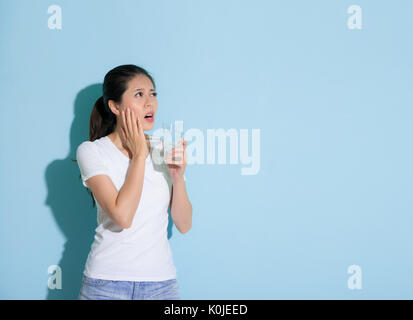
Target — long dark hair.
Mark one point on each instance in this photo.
(102, 119)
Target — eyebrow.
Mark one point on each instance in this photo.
(143, 89)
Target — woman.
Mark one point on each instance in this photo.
(130, 257)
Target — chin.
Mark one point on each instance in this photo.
(148, 127)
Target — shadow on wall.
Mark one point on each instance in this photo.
(71, 203)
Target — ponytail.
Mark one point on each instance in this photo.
(102, 120)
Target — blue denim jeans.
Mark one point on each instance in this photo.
(99, 289)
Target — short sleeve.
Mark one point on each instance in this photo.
(89, 161)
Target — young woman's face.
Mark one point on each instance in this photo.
(141, 98)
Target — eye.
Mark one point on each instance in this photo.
(139, 93)
(154, 94)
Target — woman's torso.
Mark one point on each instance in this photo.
(141, 252)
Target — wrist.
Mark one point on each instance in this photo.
(179, 179)
(139, 158)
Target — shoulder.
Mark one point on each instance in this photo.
(89, 149)
(85, 144)
(86, 147)
(90, 161)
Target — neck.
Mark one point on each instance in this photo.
(115, 137)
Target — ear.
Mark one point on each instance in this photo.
(115, 108)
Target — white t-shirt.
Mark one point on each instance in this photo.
(141, 252)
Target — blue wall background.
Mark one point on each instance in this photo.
(334, 107)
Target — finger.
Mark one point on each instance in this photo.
(172, 166)
(177, 150)
(178, 153)
(172, 162)
(129, 122)
(123, 135)
(135, 124)
(177, 146)
(140, 128)
(123, 123)
(175, 159)
(176, 164)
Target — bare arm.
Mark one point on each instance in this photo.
(120, 206)
(130, 194)
(181, 208)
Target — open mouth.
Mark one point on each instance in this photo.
(149, 117)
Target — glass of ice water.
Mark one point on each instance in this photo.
(156, 148)
(171, 139)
